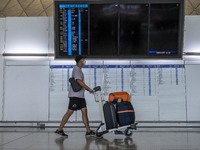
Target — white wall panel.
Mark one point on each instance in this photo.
(192, 32)
(51, 35)
(146, 108)
(2, 37)
(2, 24)
(26, 96)
(193, 92)
(172, 104)
(1, 87)
(27, 34)
(2, 42)
(2, 34)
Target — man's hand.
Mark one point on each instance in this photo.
(91, 91)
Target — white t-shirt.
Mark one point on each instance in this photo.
(77, 74)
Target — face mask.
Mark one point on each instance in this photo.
(84, 62)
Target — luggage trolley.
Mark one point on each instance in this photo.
(102, 128)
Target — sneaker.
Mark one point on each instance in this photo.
(61, 132)
(91, 133)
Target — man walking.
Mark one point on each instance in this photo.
(77, 99)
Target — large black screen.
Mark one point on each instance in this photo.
(119, 29)
(133, 29)
(164, 29)
(103, 29)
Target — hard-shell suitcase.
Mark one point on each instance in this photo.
(114, 96)
(110, 115)
(125, 113)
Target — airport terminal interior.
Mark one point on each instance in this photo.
(148, 50)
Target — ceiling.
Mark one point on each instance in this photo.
(10, 8)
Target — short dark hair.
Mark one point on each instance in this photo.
(79, 57)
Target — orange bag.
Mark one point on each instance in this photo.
(118, 96)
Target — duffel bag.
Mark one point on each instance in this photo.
(125, 113)
(118, 96)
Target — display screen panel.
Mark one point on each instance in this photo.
(103, 29)
(133, 29)
(73, 29)
(164, 29)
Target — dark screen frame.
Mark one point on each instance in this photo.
(57, 35)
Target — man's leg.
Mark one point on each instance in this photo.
(65, 118)
(85, 119)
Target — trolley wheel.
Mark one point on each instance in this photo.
(98, 134)
(128, 132)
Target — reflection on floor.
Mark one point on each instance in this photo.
(142, 139)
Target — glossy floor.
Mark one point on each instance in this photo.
(142, 139)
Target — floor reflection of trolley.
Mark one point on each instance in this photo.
(110, 118)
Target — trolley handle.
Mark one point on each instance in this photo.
(97, 88)
(97, 93)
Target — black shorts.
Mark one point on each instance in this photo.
(76, 103)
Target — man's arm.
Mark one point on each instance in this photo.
(81, 83)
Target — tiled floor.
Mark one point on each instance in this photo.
(142, 139)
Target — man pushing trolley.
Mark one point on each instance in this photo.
(117, 114)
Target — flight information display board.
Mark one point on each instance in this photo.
(118, 29)
(73, 31)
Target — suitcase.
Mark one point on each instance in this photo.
(110, 115)
(115, 96)
(125, 113)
